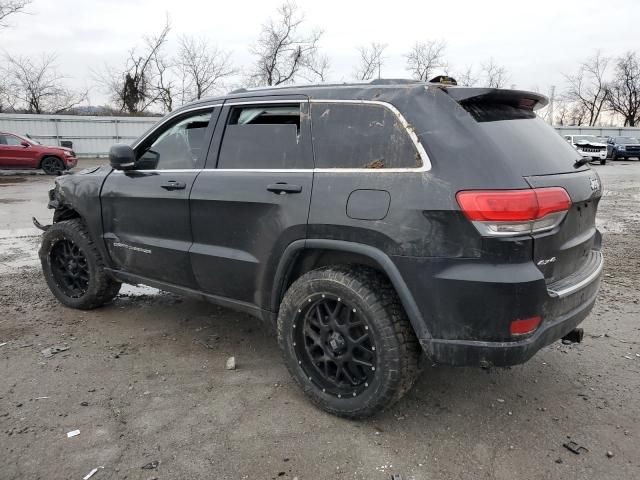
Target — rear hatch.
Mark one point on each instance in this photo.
(544, 159)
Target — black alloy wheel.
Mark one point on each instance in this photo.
(70, 268)
(333, 344)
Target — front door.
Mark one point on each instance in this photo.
(252, 199)
(147, 229)
(13, 154)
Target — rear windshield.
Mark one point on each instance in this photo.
(528, 142)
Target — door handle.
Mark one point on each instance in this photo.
(173, 185)
(284, 188)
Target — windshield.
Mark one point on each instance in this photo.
(626, 140)
(586, 138)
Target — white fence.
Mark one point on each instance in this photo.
(600, 131)
(91, 136)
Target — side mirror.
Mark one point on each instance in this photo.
(122, 156)
(25, 144)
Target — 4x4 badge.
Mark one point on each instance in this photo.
(595, 183)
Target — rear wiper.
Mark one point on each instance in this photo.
(581, 162)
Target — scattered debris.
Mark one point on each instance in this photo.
(500, 400)
(92, 473)
(609, 454)
(84, 404)
(151, 465)
(573, 447)
(51, 351)
(3, 344)
(231, 363)
(73, 433)
(558, 460)
(396, 476)
(41, 398)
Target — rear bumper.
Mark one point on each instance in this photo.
(468, 308)
(501, 354)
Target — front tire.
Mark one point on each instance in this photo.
(603, 161)
(346, 340)
(73, 267)
(52, 165)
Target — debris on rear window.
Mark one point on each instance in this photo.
(375, 164)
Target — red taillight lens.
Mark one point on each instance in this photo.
(525, 326)
(512, 205)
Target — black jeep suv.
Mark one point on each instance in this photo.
(367, 223)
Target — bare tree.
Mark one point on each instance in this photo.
(202, 68)
(371, 61)
(282, 52)
(588, 88)
(467, 77)
(163, 86)
(11, 7)
(493, 75)
(624, 91)
(317, 68)
(37, 86)
(132, 88)
(424, 58)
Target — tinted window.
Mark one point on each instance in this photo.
(360, 136)
(178, 145)
(532, 146)
(262, 137)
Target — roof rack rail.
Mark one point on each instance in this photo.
(394, 81)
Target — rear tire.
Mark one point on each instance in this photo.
(346, 340)
(52, 165)
(73, 267)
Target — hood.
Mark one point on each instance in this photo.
(593, 144)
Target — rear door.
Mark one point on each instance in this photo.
(147, 227)
(252, 199)
(12, 152)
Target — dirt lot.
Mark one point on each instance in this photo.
(144, 380)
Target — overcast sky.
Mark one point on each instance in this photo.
(535, 41)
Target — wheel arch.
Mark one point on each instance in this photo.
(305, 255)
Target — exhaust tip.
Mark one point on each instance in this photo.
(574, 336)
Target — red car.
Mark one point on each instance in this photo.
(21, 152)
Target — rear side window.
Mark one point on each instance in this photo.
(360, 136)
(262, 137)
(10, 140)
(531, 146)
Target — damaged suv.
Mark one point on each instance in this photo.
(367, 223)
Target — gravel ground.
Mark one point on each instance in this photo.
(144, 381)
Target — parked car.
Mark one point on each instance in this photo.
(366, 223)
(18, 152)
(625, 148)
(589, 147)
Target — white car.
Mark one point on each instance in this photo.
(589, 147)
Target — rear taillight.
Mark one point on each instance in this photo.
(525, 326)
(514, 212)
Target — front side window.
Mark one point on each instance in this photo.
(360, 136)
(262, 137)
(12, 141)
(178, 145)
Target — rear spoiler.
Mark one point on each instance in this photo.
(521, 99)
